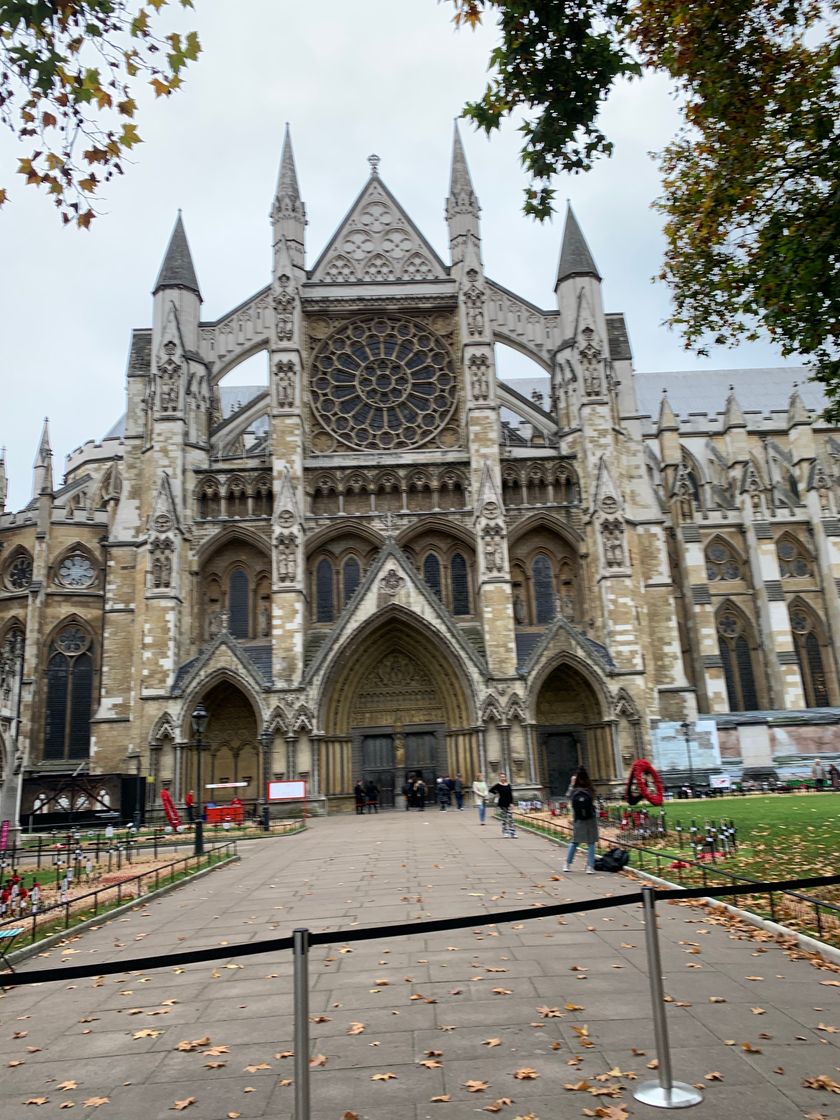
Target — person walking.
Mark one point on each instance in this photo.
(459, 793)
(408, 792)
(443, 795)
(372, 796)
(189, 803)
(359, 794)
(504, 793)
(584, 819)
(420, 794)
(480, 793)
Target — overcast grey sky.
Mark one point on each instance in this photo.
(352, 79)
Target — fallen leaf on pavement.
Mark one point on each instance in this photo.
(492, 1042)
(179, 1106)
(318, 1061)
(476, 1086)
(383, 1077)
(356, 1028)
(442, 1099)
(526, 1074)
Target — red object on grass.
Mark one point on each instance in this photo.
(169, 809)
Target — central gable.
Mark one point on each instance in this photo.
(377, 242)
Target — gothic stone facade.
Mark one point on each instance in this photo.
(390, 560)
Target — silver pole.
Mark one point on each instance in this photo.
(300, 951)
(663, 1093)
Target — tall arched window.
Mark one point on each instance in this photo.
(460, 585)
(809, 652)
(736, 655)
(238, 604)
(543, 578)
(69, 695)
(351, 574)
(431, 573)
(324, 595)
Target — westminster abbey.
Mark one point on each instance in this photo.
(389, 560)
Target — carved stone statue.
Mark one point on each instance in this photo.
(285, 551)
(479, 367)
(613, 533)
(474, 304)
(284, 309)
(284, 378)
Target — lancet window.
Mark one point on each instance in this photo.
(69, 694)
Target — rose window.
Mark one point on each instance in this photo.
(383, 383)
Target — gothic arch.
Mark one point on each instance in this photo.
(418, 530)
(278, 721)
(814, 652)
(200, 688)
(228, 535)
(163, 726)
(543, 520)
(77, 548)
(565, 659)
(491, 711)
(394, 630)
(228, 364)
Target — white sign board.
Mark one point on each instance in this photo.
(720, 781)
(287, 791)
(672, 752)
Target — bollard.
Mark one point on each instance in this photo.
(300, 952)
(664, 1093)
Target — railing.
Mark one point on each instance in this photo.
(664, 1092)
(826, 920)
(123, 845)
(52, 918)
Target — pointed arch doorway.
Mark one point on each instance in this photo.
(571, 731)
(396, 706)
(231, 753)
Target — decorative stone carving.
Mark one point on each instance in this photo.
(474, 304)
(612, 531)
(392, 582)
(284, 309)
(169, 377)
(591, 363)
(285, 552)
(160, 566)
(479, 370)
(284, 381)
(492, 538)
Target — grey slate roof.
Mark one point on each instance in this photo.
(575, 257)
(705, 391)
(618, 341)
(177, 269)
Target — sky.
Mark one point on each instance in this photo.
(373, 76)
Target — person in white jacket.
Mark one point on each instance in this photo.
(479, 788)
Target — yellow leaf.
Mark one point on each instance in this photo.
(318, 1061)
(179, 1106)
(383, 1077)
(526, 1074)
(492, 1042)
(476, 1086)
(37, 1100)
(356, 1028)
(65, 1086)
(431, 1063)
(442, 1099)
(96, 1102)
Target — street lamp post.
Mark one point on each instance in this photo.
(199, 721)
(686, 730)
(266, 739)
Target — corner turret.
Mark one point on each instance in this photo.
(177, 283)
(42, 476)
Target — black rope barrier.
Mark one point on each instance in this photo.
(403, 929)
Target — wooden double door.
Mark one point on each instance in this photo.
(560, 752)
(388, 759)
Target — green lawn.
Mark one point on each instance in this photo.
(780, 835)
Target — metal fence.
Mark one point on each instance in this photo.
(50, 919)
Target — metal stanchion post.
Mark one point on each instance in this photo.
(300, 951)
(664, 1093)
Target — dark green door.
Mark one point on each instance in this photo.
(421, 755)
(378, 766)
(561, 761)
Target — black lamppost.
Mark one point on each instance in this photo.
(199, 721)
(686, 730)
(266, 739)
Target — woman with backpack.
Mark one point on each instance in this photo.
(584, 819)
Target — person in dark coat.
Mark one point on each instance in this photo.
(408, 792)
(503, 791)
(372, 795)
(459, 793)
(359, 794)
(420, 794)
(581, 792)
(444, 795)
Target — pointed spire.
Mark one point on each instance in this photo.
(288, 214)
(462, 209)
(42, 481)
(177, 269)
(797, 409)
(287, 181)
(733, 416)
(667, 420)
(575, 257)
(461, 193)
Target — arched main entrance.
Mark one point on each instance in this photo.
(396, 704)
(231, 752)
(571, 730)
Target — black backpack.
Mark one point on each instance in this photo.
(613, 860)
(583, 807)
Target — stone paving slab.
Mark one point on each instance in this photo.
(346, 873)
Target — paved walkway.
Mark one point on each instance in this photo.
(475, 1005)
